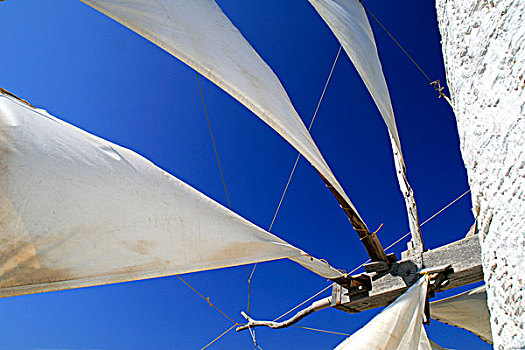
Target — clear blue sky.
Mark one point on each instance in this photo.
(92, 72)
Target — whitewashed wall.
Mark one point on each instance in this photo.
(484, 52)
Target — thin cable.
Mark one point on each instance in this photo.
(397, 43)
(219, 337)
(292, 172)
(249, 288)
(435, 83)
(304, 302)
(213, 140)
(309, 128)
(445, 207)
(322, 330)
(387, 248)
(208, 300)
(227, 198)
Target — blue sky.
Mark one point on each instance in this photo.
(92, 72)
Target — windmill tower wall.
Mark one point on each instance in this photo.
(484, 53)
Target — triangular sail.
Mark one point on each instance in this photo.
(397, 327)
(467, 310)
(348, 21)
(77, 211)
(198, 33)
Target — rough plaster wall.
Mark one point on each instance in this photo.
(484, 52)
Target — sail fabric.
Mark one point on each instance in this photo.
(348, 21)
(77, 211)
(435, 346)
(398, 327)
(467, 310)
(425, 343)
(199, 34)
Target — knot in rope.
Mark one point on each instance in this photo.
(209, 302)
(437, 86)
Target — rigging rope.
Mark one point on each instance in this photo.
(208, 300)
(213, 140)
(322, 330)
(219, 337)
(435, 83)
(284, 193)
(304, 302)
(299, 155)
(424, 222)
(250, 276)
(309, 128)
(387, 248)
(229, 204)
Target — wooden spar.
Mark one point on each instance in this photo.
(464, 256)
(370, 241)
(416, 246)
(450, 266)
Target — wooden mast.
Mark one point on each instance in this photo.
(416, 246)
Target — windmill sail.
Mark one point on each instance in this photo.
(77, 211)
(397, 327)
(199, 34)
(467, 310)
(347, 20)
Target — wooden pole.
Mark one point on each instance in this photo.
(370, 241)
(463, 256)
(416, 246)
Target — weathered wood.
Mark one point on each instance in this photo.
(377, 266)
(464, 256)
(356, 282)
(370, 241)
(416, 246)
(316, 306)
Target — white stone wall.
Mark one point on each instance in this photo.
(484, 52)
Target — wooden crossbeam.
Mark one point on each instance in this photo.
(464, 256)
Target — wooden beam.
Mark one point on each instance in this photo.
(416, 246)
(464, 256)
(370, 241)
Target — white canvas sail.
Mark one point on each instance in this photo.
(77, 211)
(199, 34)
(426, 343)
(397, 327)
(348, 21)
(467, 310)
